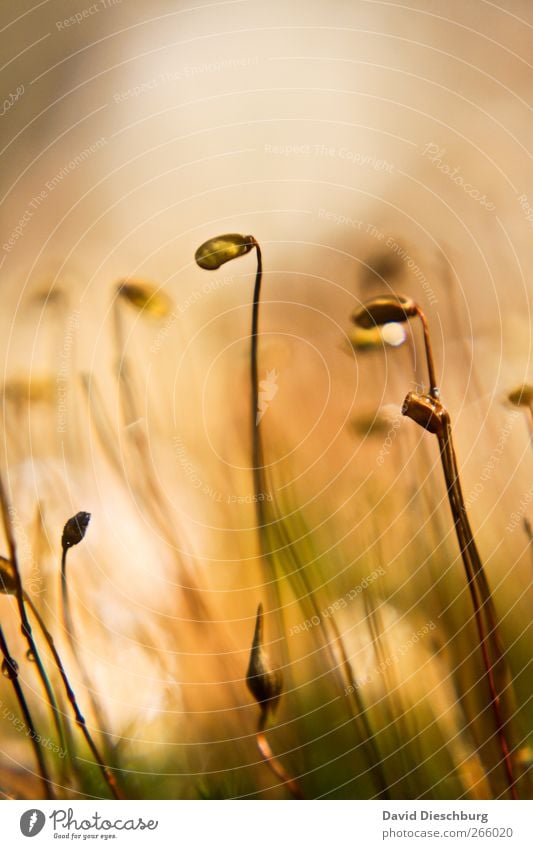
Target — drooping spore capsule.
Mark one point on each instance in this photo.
(220, 249)
(521, 396)
(8, 582)
(383, 310)
(146, 297)
(425, 410)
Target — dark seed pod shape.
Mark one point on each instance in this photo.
(10, 668)
(426, 411)
(264, 683)
(215, 252)
(8, 583)
(521, 396)
(75, 529)
(383, 310)
(151, 301)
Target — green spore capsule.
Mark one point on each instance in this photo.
(215, 252)
(382, 310)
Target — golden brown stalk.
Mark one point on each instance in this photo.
(8, 585)
(387, 309)
(211, 255)
(18, 591)
(73, 533)
(106, 773)
(10, 670)
(265, 685)
(430, 414)
(273, 763)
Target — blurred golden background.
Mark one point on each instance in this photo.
(370, 148)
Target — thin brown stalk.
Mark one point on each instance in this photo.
(266, 685)
(26, 630)
(430, 414)
(259, 482)
(106, 773)
(490, 644)
(68, 622)
(333, 643)
(433, 389)
(10, 667)
(272, 761)
(528, 530)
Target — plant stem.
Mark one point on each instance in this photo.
(491, 648)
(256, 441)
(433, 389)
(272, 762)
(25, 626)
(107, 774)
(257, 452)
(65, 604)
(71, 635)
(13, 676)
(335, 646)
(484, 611)
(430, 413)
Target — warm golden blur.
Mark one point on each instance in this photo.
(372, 150)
